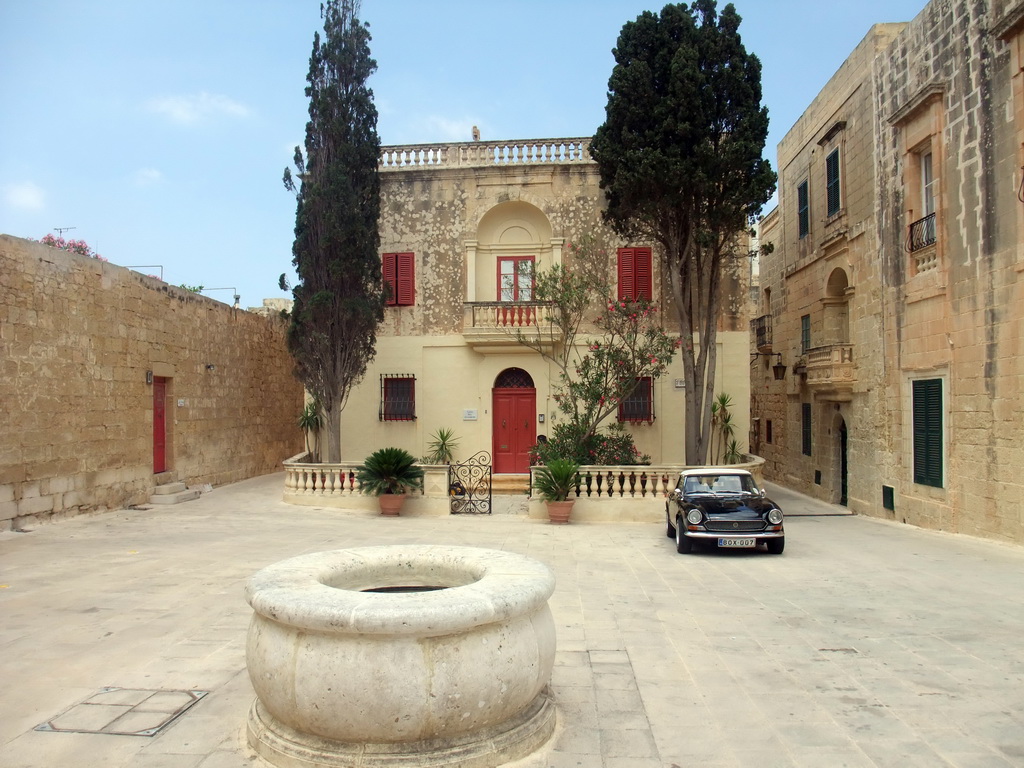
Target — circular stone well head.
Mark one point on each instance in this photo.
(410, 648)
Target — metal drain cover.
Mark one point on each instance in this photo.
(124, 712)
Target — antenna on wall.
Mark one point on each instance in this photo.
(61, 230)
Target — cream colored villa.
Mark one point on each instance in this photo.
(896, 287)
(464, 229)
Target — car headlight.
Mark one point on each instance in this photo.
(693, 517)
(775, 516)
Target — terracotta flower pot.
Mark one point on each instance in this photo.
(391, 503)
(558, 511)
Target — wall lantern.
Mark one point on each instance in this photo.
(778, 370)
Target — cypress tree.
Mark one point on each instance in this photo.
(338, 296)
(680, 160)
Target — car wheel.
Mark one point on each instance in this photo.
(670, 530)
(775, 546)
(683, 544)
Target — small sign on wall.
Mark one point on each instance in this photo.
(469, 414)
(679, 383)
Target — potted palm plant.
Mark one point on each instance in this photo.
(442, 447)
(388, 474)
(310, 422)
(554, 482)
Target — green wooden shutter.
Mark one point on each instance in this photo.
(832, 183)
(927, 405)
(805, 427)
(803, 207)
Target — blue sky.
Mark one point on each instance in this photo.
(160, 130)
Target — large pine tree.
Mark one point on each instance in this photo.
(338, 298)
(680, 161)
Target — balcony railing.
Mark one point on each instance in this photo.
(922, 233)
(761, 328)
(485, 153)
(505, 314)
(500, 324)
(830, 370)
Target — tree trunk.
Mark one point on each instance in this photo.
(332, 425)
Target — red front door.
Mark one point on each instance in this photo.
(515, 430)
(159, 424)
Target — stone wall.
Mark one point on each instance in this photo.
(78, 336)
(948, 84)
(830, 275)
(934, 256)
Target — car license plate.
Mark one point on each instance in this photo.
(737, 543)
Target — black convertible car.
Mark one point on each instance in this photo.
(722, 507)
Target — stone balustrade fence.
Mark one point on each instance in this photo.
(485, 153)
(337, 484)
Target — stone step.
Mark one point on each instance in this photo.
(169, 489)
(510, 485)
(174, 498)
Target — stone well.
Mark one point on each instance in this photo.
(401, 655)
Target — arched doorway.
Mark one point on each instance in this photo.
(514, 401)
(841, 488)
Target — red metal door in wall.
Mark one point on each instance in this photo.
(514, 429)
(159, 424)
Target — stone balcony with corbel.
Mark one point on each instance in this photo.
(830, 372)
(500, 327)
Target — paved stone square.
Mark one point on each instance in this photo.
(867, 643)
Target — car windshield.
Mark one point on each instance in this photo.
(725, 484)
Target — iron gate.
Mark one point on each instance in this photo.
(469, 485)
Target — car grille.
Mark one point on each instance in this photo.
(729, 526)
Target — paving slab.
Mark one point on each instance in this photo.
(868, 643)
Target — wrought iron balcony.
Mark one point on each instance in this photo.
(761, 328)
(922, 233)
(830, 371)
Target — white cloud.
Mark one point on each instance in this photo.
(27, 196)
(147, 177)
(195, 108)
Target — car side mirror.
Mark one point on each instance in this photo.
(764, 492)
(677, 493)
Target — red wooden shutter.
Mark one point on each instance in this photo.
(627, 274)
(405, 278)
(399, 276)
(642, 273)
(390, 273)
(635, 274)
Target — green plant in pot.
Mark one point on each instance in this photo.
(310, 422)
(441, 447)
(554, 482)
(388, 473)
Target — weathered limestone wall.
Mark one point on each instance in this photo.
(78, 336)
(961, 320)
(949, 89)
(829, 274)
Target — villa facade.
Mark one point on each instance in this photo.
(464, 229)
